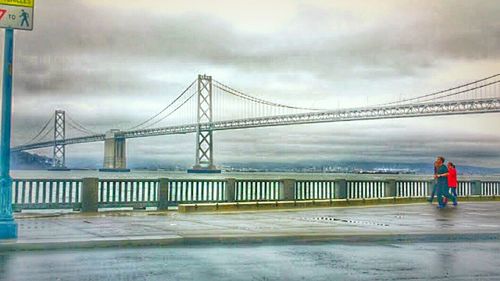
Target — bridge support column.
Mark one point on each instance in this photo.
(204, 162)
(59, 152)
(115, 152)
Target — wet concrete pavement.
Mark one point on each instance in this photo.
(416, 222)
(305, 261)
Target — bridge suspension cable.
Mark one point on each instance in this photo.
(78, 126)
(173, 111)
(438, 94)
(74, 126)
(164, 109)
(461, 92)
(242, 95)
(36, 137)
(46, 134)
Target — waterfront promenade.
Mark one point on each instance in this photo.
(470, 221)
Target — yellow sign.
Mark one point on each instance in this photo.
(21, 3)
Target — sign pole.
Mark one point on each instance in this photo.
(8, 227)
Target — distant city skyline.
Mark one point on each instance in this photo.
(111, 64)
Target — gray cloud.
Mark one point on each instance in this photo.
(429, 34)
(103, 54)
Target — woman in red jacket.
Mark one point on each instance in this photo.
(452, 179)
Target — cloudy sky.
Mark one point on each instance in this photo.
(112, 64)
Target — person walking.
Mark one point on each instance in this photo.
(434, 184)
(442, 183)
(452, 179)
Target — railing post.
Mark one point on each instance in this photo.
(90, 187)
(340, 189)
(163, 189)
(475, 188)
(287, 189)
(229, 190)
(390, 188)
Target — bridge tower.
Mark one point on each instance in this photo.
(204, 162)
(115, 152)
(59, 152)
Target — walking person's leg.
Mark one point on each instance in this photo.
(434, 191)
(440, 196)
(452, 197)
(454, 193)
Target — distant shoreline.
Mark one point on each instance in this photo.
(154, 174)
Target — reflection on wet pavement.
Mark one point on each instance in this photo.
(317, 261)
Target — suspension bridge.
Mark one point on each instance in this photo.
(208, 105)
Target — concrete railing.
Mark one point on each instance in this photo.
(192, 191)
(256, 190)
(315, 189)
(46, 194)
(127, 193)
(489, 188)
(90, 194)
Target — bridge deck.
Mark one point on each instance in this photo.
(473, 106)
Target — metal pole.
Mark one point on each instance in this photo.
(8, 227)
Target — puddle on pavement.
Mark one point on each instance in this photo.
(331, 219)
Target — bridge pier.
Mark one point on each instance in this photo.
(115, 152)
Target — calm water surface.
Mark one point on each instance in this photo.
(140, 174)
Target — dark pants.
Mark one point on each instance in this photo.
(453, 190)
(444, 192)
(434, 192)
